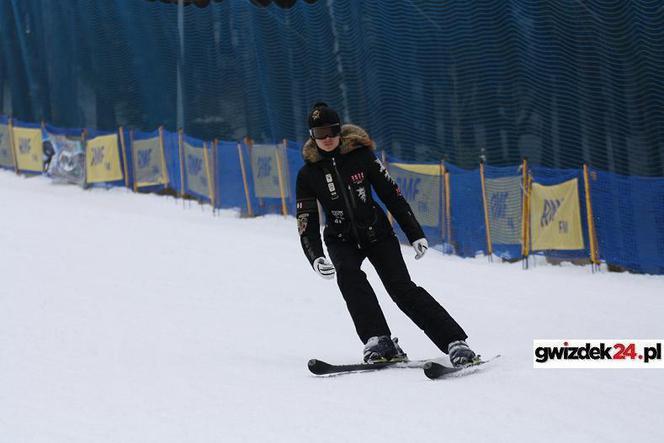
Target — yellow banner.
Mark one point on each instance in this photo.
(28, 149)
(504, 201)
(6, 157)
(421, 187)
(196, 177)
(102, 159)
(555, 217)
(265, 171)
(149, 164)
(418, 168)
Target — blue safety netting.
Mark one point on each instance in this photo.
(629, 216)
(563, 82)
(467, 212)
(628, 212)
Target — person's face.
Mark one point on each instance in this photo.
(327, 137)
(328, 144)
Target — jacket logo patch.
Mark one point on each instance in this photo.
(331, 187)
(302, 221)
(357, 178)
(362, 194)
(383, 170)
(338, 216)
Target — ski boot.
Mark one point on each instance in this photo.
(383, 349)
(460, 354)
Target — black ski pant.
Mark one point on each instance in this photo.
(414, 301)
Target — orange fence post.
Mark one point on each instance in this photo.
(181, 155)
(164, 169)
(280, 175)
(592, 234)
(525, 212)
(12, 147)
(487, 224)
(244, 180)
(124, 156)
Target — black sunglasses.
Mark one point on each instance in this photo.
(324, 132)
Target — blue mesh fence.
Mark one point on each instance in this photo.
(504, 204)
(628, 212)
(468, 232)
(563, 82)
(629, 215)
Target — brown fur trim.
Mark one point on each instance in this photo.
(352, 137)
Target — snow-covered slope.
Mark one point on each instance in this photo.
(135, 318)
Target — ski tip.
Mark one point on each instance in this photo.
(318, 367)
(433, 370)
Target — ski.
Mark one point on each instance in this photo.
(435, 370)
(320, 367)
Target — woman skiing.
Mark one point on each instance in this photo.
(340, 171)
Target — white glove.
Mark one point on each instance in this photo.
(421, 247)
(324, 268)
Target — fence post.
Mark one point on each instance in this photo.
(210, 183)
(244, 180)
(443, 190)
(487, 224)
(592, 234)
(134, 161)
(12, 147)
(448, 207)
(84, 143)
(164, 170)
(215, 160)
(284, 209)
(123, 148)
(525, 213)
(181, 155)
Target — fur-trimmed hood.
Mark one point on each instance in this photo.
(352, 137)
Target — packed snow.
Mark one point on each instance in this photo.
(139, 318)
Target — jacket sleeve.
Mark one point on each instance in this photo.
(308, 224)
(390, 194)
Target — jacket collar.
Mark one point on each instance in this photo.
(352, 137)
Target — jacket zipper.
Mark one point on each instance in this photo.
(351, 215)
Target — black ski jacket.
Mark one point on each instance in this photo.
(343, 183)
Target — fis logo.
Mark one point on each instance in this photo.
(549, 211)
(597, 354)
(264, 167)
(144, 158)
(194, 165)
(97, 156)
(24, 145)
(498, 205)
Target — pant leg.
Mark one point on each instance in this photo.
(360, 298)
(413, 300)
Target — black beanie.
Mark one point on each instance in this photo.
(323, 115)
